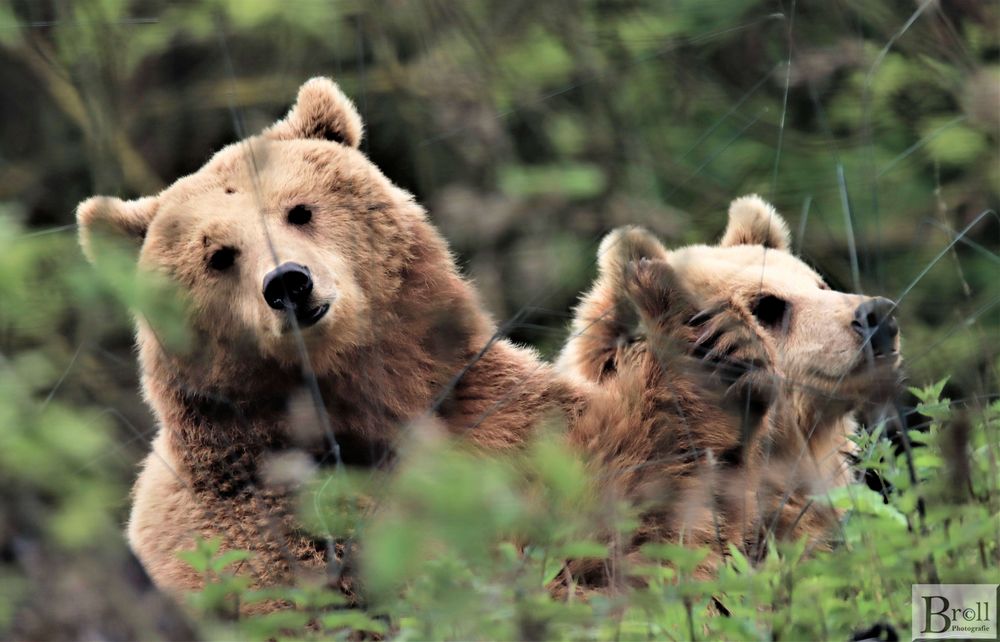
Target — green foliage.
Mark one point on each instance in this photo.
(573, 181)
(149, 295)
(559, 121)
(951, 144)
(224, 590)
(447, 556)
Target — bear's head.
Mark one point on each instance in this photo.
(834, 350)
(754, 309)
(289, 246)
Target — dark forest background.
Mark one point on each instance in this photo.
(528, 129)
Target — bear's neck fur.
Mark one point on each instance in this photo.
(812, 439)
(218, 442)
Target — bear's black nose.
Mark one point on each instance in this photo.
(873, 320)
(288, 287)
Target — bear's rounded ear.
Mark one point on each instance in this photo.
(657, 293)
(753, 221)
(626, 244)
(113, 217)
(321, 111)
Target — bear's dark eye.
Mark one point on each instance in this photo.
(222, 259)
(772, 312)
(299, 215)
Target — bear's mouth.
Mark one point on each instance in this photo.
(877, 379)
(869, 364)
(308, 318)
(863, 366)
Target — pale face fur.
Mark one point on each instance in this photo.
(817, 349)
(219, 232)
(807, 326)
(822, 366)
(199, 216)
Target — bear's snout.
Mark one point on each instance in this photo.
(288, 287)
(873, 320)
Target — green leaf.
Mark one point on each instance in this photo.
(737, 560)
(584, 549)
(200, 557)
(196, 559)
(931, 393)
(553, 567)
(267, 625)
(685, 558)
(229, 557)
(354, 620)
(864, 500)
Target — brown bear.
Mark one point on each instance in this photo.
(303, 268)
(306, 272)
(792, 357)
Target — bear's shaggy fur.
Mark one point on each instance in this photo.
(404, 336)
(794, 372)
(390, 333)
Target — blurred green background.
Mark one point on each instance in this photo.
(528, 129)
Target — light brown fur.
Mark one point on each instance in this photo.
(402, 338)
(663, 317)
(405, 336)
